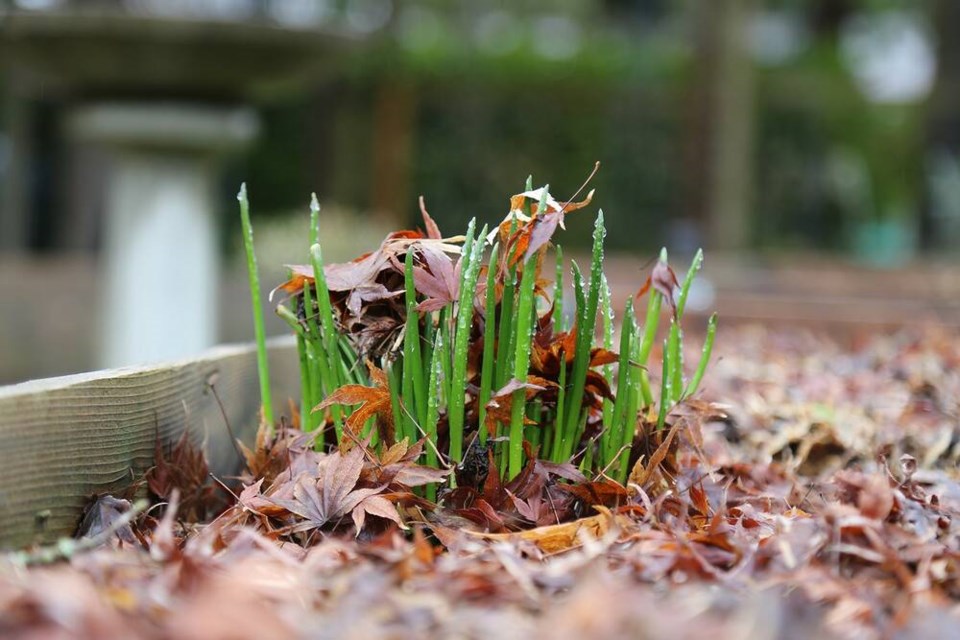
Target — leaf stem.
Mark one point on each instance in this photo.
(263, 364)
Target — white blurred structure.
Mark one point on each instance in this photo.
(160, 257)
(148, 92)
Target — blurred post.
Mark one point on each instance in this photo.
(161, 257)
(13, 169)
(724, 51)
(394, 125)
(941, 216)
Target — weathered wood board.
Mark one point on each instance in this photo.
(64, 440)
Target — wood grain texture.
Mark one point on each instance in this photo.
(64, 440)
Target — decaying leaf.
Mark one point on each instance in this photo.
(333, 493)
(562, 537)
(664, 281)
(438, 280)
(183, 468)
(374, 402)
(102, 515)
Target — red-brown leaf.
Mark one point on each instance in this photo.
(663, 280)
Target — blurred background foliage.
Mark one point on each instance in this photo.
(739, 124)
(842, 112)
(809, 132)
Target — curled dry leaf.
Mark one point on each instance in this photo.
(183, 468)
(433, 231)
(641, 474)
(103, 515)
(438, 280)
(563, 537)
(663, 280)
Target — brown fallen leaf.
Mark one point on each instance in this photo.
(183, 468)
(664, 280)
(438, 280)
(102, 515)
(373, 401)
(561, 537)
(641, 474)
(331, 494)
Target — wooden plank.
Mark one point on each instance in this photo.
(64, 440)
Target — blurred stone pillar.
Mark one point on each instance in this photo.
(160, 260)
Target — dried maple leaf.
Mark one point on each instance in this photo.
(362, 294)
(251, 499)
(500, 406)
(433, 231)
(664, 280)
(604, 492)
(532, 508)
(533, 232)
(439, 281)
(375, 505)
(561, 537)
(271, 451)
(184, 468)
(544, 225)
(640, 475)
(103, 515)
(398, 468)
(373, 401)
(332, 494)
(366, 294)
(365, 269)
(396, 453)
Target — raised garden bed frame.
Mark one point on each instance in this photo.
(65, 440)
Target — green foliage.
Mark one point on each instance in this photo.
(263, 367)
(480, 351)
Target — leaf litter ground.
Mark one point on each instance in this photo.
(809, 489)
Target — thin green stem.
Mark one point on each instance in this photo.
(446, 354)
(314, 219)
(606, 313)
(331, 339)
(319, 371)
(652, 320)
(664, 389)
(306, 403)
(629, 427)
(558, 293)
(455, 405)
(704, 358)
(505, 328)
(414, 382)
(263, 365)
(401, 421)
(558, 443)
(521, 362)
(613, 428)
(585, 329)
(433, 407)
(580, 298)
(695, 266)
(488, 363)
(674, 355)
(676, 331)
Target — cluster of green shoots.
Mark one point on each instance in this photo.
(426, 388)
